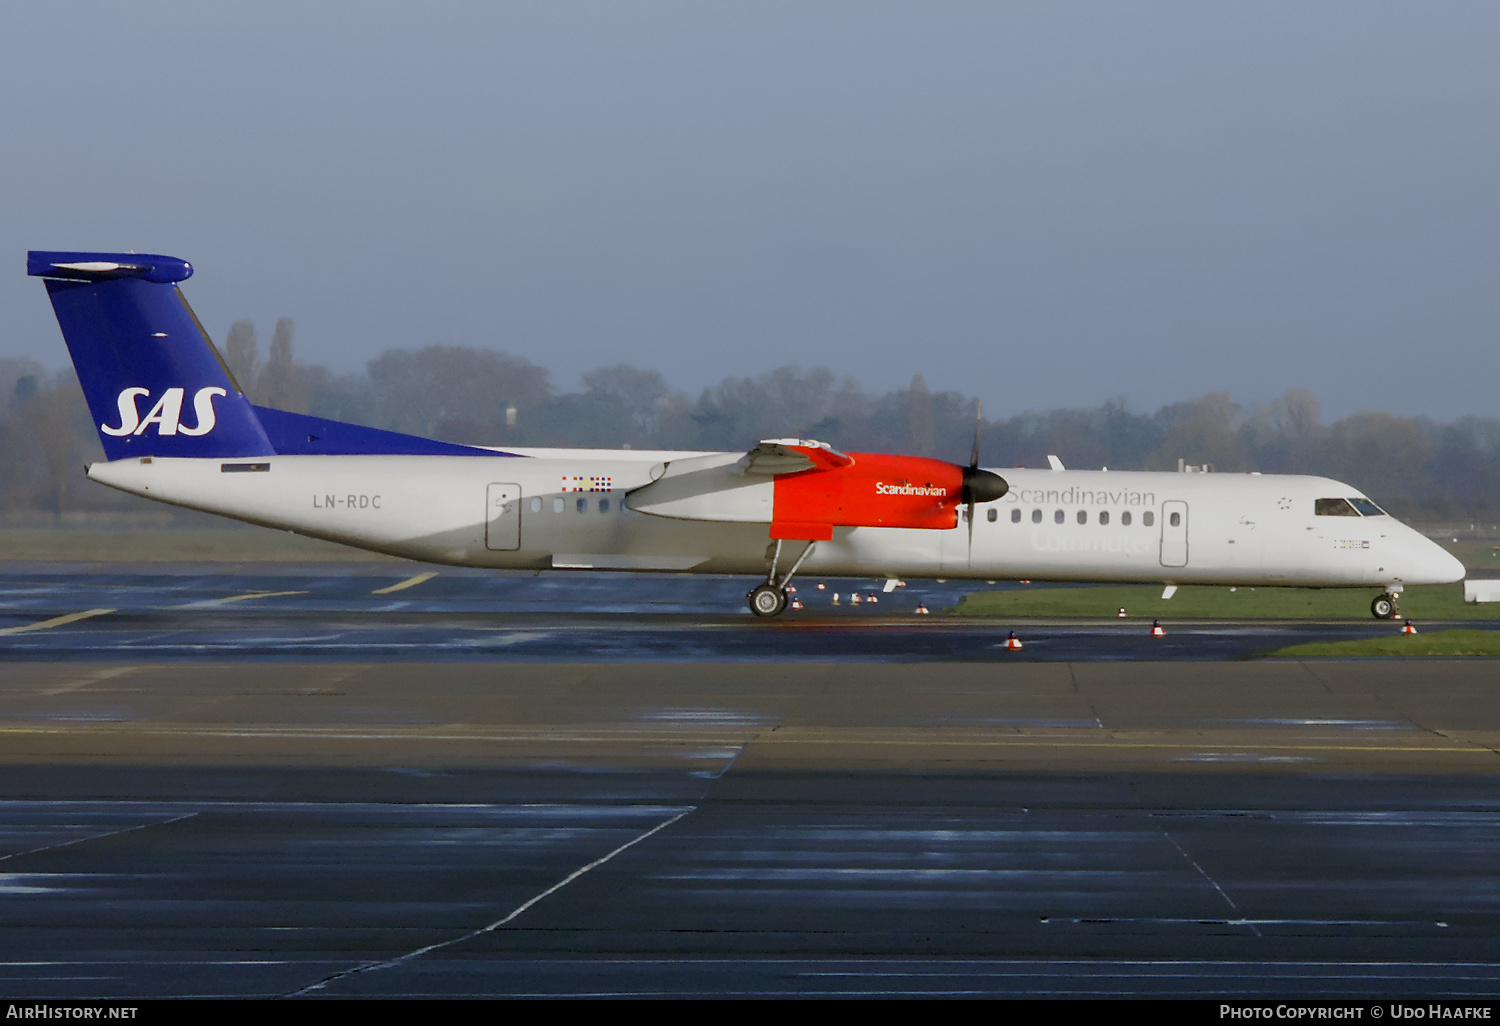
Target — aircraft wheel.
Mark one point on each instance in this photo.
(1383, 607)
(767, 601)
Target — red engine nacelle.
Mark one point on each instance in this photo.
(875, 490)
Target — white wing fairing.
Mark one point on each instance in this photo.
(824, 511)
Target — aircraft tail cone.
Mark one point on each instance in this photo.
(1012, 642)
(1156, 631)
(1407, 628)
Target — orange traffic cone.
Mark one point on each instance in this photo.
(1012, 642)
(796, 603)
(1156, 631)
(1121, 613)
(1407, 628)
(921, 609)
(854, 599)
(821, 586)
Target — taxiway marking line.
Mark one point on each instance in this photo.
(95, 837)
(89, 679)
(410, 582)
(56, 621)
(419, 952)
(258, 595)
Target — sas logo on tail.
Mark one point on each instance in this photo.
(166, 414)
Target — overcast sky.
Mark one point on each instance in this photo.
(1041, 204)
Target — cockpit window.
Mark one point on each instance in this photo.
(1333, 508)
(1367, 507)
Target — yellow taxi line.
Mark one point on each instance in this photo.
(56, 621)
(410, 582)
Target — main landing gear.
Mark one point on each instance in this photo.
(1383, 607)
(769, 599)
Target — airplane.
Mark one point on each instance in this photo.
(177, 428)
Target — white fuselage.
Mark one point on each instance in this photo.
(560, 508)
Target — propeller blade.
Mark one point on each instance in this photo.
(978, 423)
(973, 467)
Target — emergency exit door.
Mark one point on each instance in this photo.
(502, 524)
(1174, 533)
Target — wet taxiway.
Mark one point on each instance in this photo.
(196, 802)
(339, 615)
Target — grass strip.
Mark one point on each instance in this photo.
(1437, 643)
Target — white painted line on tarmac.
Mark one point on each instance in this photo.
(410, 582)
(95, 837)
(402, 959)
(56, 621)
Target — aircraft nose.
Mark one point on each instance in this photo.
(1439, 566)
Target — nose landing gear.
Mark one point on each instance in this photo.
(1383, 607)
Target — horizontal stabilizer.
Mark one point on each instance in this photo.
(163, 270)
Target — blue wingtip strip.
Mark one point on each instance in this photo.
(152, 267)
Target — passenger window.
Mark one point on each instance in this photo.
(536, 505)
(603, 505)
(1333, 508)
(993, 515)
(1083, 516)
(1148, 518)
(1015, 516)
(1176, 519)
(1367, 507)
(558, 505)
(1036, 516)
(1104, 516)
(583, 505)
(1059, 517)
(1125, 519)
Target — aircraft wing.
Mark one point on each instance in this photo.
(733, 489)
(791, 456)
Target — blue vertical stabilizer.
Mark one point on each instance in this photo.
(155, 384)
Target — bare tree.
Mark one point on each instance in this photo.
(280, 385)
(240, 353)
(919, 418)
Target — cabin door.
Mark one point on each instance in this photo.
(502, 524)
(1174, 533)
